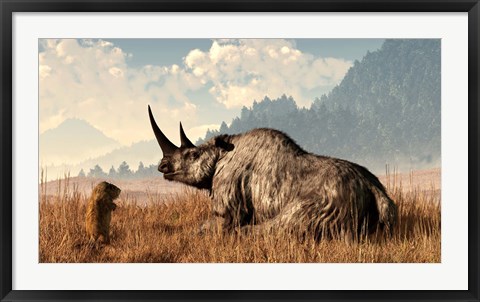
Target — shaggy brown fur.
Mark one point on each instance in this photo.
(99, 211)
(262, 178)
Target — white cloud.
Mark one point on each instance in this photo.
(285, 50)
(44, 71)
(242, 71)
(197, 132)
(91, 79)
(116, 72)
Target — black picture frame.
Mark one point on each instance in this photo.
(8, 7)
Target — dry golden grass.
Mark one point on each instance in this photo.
(167, 231)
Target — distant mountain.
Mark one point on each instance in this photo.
(73, 141)
(147, 152)
(386, 110)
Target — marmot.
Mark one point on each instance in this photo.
(99, 211)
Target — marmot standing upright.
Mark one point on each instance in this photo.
(99, 211)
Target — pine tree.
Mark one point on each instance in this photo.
(97, 172)
(112, 173)
(140, 171)
(81, 173)
(124, 170)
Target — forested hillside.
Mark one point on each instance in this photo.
(385, 111)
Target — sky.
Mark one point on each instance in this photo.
(200, 82)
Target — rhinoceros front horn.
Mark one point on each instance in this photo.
(186, 143)
(167, 146)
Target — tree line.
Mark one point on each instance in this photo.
(385, 110)
(123, 171)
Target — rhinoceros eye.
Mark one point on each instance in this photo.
(194, 154)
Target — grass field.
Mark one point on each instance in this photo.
(164, 228)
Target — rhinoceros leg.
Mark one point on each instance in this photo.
(310, 220)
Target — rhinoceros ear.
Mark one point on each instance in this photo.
(222, 143)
